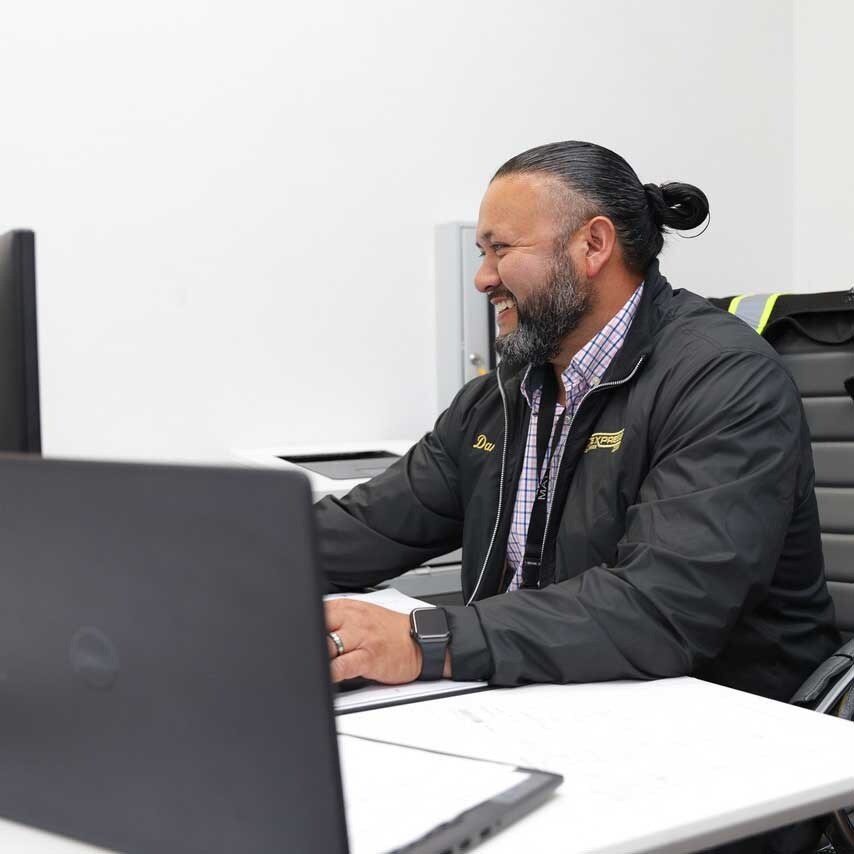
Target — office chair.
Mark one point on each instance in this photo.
(829, 690)
(814, 334)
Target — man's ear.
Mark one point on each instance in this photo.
(600, 242)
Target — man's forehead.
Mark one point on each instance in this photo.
(518, 203)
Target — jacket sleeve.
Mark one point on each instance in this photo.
(408, 514)
(701, 543)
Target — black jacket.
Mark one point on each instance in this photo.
(688, 544)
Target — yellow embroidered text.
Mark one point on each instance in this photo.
(482, 444)
(605, 441)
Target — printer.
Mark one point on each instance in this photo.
(334, 468)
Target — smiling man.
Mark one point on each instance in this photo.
(632, 487)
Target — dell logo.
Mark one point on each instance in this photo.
(94, 658)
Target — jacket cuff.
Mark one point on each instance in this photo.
(471, 659)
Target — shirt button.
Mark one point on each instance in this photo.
(594, 381)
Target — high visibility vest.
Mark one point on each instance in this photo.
(754, 309)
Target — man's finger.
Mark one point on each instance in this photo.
(349, 665)
(333, 612)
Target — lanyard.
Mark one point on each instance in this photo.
(537, 523)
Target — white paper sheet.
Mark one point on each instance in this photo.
(394, 795)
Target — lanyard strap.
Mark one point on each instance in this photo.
(537, 523)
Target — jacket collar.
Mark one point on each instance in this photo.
(653, 304)
(639, 342)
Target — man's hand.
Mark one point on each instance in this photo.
(377, 643)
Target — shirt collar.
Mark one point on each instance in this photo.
(589, 364)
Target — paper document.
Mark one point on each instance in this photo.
(375, 696)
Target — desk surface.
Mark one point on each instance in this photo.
(671, 766)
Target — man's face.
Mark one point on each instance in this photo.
(527, 271)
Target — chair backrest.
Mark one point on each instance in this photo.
(814, 334)
(829, 690)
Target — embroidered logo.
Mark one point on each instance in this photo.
(483, 445)
(605, 441)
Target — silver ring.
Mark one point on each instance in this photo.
(339, 644)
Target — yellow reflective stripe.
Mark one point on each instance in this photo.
(733, 306)
(766, 312)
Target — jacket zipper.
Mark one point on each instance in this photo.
(500, 489)
(612, 384)
(587, 394)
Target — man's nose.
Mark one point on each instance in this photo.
(486, 278)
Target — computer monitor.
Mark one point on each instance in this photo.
(20, 421)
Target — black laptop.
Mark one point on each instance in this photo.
(163, 668)
(164, 680)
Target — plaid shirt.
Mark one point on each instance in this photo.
(586, 369)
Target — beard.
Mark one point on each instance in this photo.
(546, 317)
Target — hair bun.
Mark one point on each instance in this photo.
(685, 206)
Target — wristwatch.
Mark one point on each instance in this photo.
(429, 629)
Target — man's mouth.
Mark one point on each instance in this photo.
(503, 305)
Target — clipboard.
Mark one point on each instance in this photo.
(467, 800)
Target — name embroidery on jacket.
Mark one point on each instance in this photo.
(605, 441)
(483, 445)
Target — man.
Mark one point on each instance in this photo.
(642, 505)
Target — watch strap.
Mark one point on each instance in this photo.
(432, 659)
(433, 651)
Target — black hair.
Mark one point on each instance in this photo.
(607, 185)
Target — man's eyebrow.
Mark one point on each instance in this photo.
(486, 237)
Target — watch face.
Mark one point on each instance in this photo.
(430, 623)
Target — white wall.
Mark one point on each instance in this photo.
(824, 142)
(234, 205)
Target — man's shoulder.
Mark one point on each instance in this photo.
(701, 350)
(693, 327)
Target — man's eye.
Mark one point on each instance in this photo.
(495, 247)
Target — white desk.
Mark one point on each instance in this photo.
(274, 457)
(670, 766)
